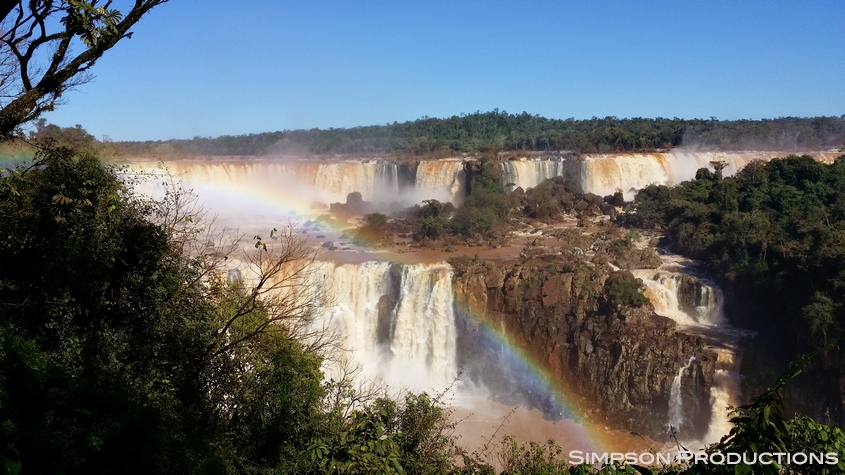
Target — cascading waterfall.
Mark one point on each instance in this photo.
(387, 181)
(397, 321)
(604, 174)
(676, 400)
(424, 337)
(723, 393)
(270, 187)
(375, 180)
(442, 180)
(528, 173)
(687, 299)
(301, 186)
(697, 306)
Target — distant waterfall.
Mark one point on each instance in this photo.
(397, 321)
(605, 174)
(530, 173)
(443, 180)
(275, 187)
(676, 402)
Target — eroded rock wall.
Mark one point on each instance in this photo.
(618, 360)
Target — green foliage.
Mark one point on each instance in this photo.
(532, 457)
(389, 437)
(470, 221)
(106, 339)
(775, 235)
(486, 209)
(74, 138)
(550, 199)
(432, 220)
(43, 35)
(486, 177)
(622, 288)
(496, 130)
(538, 203)
(376, 230)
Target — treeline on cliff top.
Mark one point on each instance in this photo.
(501, 131)
(774, 235)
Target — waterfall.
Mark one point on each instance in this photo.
(723, 393)
(425, 336)
(528, 173)
(387, 182)
(397, 321)
(605, 174)
(278, 187)
(443, 180)
(687, 299)
(696, 304)
(676, 402)
(264, 186)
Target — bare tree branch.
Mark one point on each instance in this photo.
(25, 33)
(6, 7)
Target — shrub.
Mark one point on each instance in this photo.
(622, 288)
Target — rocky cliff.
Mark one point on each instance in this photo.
(619, 359)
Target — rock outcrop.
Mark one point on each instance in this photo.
(618, 360)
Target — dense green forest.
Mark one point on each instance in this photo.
(501, 131)
(774, 235)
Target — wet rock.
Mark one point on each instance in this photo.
(621, 358)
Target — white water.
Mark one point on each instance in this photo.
(605, 174)
(676, 402)
(283, 188)
(273, 187)
(528, 173)
(417, 348)
(443, 180)
(698, 309)
(664, 288)
(724, 392)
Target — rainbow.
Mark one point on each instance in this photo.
(560, 399)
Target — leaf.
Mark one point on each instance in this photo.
(742, 469)
(10, 467)
(643, 470)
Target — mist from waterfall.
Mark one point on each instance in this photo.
(274, 187)
(396, 321)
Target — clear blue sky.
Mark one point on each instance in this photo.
(214, 67)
